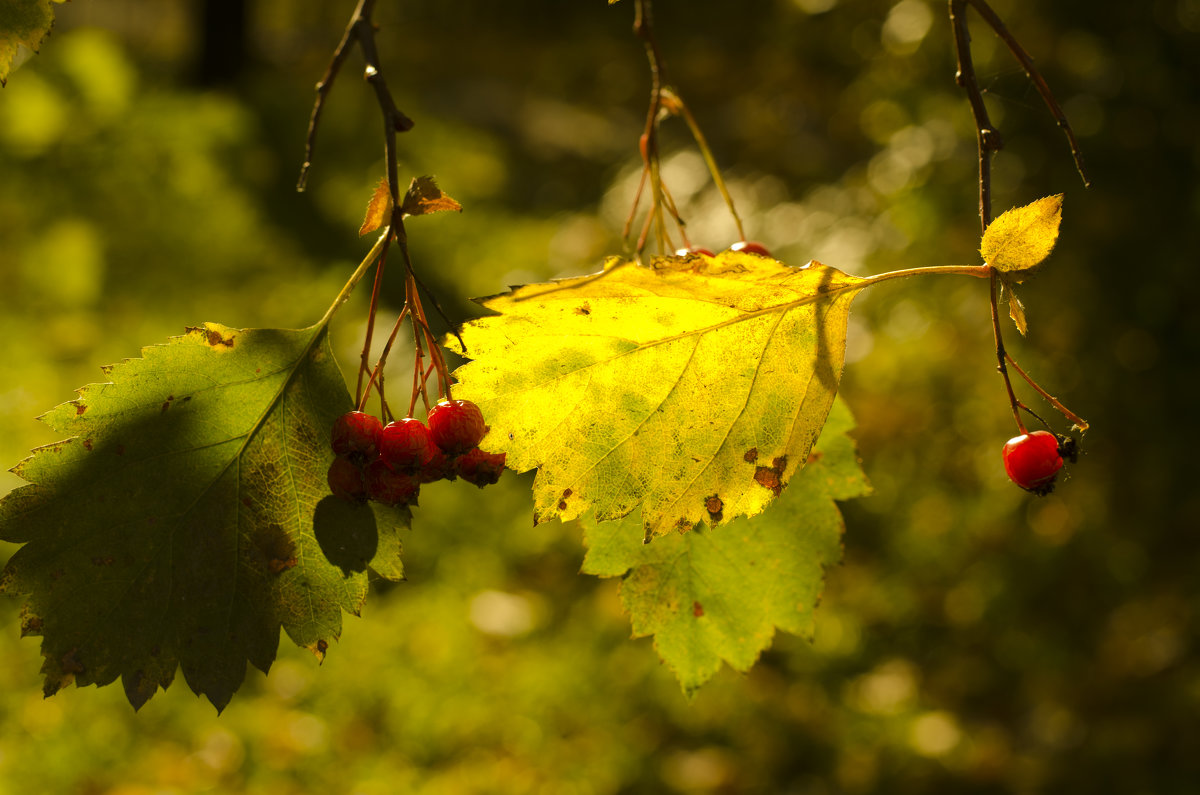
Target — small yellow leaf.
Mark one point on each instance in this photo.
(378, 209)
(1016, 310)
(1022, 237)
(425, 197)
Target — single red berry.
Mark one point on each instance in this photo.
(1032, 461)
(480, 468)
(356, 434)
(690, 250)
(406, 445)
(750, 247)
(456, 425)
(441, 467)
(346, 481)
(386, 485)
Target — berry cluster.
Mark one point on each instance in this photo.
(389, 463)
(1032, 460)
(744, 246)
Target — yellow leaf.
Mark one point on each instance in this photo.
(1016, 311)
(378, 209)
(22, 23)
(694, 382)
(1022, 237)
(424, 197)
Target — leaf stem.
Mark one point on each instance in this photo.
(355, 278)
(978, 271)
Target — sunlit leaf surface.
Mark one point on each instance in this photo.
(1024, 236)
(718, 594)
(666, 388)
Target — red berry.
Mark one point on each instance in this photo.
(750, 247)
(356, 434)
(456, 425)
(480, 468)
(386, 485)
(440, 468)
(1032, 461)
(406, 445)
(685, 252)
(346, 481)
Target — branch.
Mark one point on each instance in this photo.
(989, 142)
(997, 25)
(361, 30)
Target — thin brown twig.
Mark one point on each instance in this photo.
(1053, 401)
(364, 359)
(985, 11)
(361, 30)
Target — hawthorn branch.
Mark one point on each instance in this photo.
(360, 30)
(989, 141)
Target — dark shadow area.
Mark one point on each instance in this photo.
(347, 533)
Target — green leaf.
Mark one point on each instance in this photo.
(1022, 237)
(661, 387)
(187, 518)
(22, 23)
(719, 594)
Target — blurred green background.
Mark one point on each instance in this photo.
(976, 639)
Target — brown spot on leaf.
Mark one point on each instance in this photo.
(275, 549)
(585, 309)
(80, 408)
(216, 340)
(562, 505)
(106, 560)
(167, 403)
(714, 506)
(697, 609)
(31, 625)
(278, 566)
(320, 648)
(71, 663)
(751, 455)
(768, 478)
(814, 456)
(567, 493)
(779, 464)
(87, 443)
